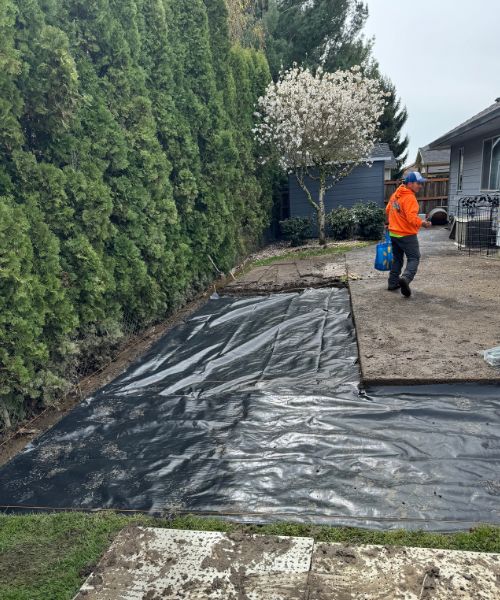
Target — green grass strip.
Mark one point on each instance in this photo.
(47, 557)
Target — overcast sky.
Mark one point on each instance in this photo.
(443, 57)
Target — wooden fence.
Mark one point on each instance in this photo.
(433, 195)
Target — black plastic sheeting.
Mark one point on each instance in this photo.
(252, 410)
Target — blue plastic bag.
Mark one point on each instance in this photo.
(383, 256)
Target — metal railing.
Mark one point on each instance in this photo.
(477, 225)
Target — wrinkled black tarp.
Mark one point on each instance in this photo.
(252, 409)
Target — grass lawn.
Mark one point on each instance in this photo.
(47, 557)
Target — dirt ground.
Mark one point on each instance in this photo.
(437, 335)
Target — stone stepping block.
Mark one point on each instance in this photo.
(340, 572)
(154, 564)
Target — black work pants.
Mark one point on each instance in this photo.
(401, 247)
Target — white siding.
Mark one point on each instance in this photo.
(473, 161)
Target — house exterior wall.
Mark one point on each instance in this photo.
(438, 170)
(473, 164)
(364, 184)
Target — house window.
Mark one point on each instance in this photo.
(490, 179)
(460, 168)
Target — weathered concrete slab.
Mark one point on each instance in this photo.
(374, 572)
(153, 564)
(439, 333)
(291, 275)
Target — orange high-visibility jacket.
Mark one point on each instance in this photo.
(402, 212)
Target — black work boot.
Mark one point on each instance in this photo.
(392, 288)
(405, 287)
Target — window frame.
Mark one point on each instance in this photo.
(493, 139)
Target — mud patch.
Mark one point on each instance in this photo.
(246, 550)
(430, 583)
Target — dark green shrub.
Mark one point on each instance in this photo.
(128, 169)
(370, 219)
(341, 223)
(297, 230)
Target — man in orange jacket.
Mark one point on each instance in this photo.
(404, 224)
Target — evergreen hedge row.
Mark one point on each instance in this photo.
(127, 166)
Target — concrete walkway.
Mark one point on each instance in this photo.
(154, 564)
(438, 334)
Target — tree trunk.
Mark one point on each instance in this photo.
(5, 416)
(321, 214)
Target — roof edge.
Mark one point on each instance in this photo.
(380, 159)
(444, 142)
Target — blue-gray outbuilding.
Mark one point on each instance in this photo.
(364, 184)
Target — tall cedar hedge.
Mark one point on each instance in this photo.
(126, 167)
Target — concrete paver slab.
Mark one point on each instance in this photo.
(296, 274)
(382, 572)
(149, 564)
(154, 564)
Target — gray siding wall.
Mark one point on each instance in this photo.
(364, 184)
(473, 164)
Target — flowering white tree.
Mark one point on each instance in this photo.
(320, 126)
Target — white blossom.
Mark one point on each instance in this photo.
(323, 123)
